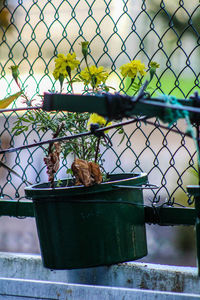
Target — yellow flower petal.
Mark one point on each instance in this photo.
(62, 62)
(97, 119)
(94, 76)
(132, 68)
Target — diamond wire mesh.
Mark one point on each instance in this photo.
(33, 32)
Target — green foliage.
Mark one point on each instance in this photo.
(72, 124)
(62, 124)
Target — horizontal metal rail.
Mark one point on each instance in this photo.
(14, 208)
(118, 106)
(167, 216)
(164, 216)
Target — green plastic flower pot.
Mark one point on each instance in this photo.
(81, 227)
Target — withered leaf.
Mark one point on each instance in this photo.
(86, 173)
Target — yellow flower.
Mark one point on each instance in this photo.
(96, 119)
(132, 68)
(95, 76)
(65, 64)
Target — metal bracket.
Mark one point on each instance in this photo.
(147, 186)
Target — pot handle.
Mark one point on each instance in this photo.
(147, 186)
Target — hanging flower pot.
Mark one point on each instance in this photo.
(88, 222)
(80, 227)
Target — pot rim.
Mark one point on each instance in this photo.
(36, 191)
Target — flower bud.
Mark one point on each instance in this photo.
(15, 72)
(85, 48)
(153, 66)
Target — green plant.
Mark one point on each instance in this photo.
(94, 80)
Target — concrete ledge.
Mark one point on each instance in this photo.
(18, 272)
(18, 289)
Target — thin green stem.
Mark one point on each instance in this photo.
(97, 150)
(88, 68)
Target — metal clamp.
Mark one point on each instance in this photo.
(147, 186)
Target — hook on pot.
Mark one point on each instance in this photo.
(147, 186)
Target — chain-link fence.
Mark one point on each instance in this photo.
(32, 33)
